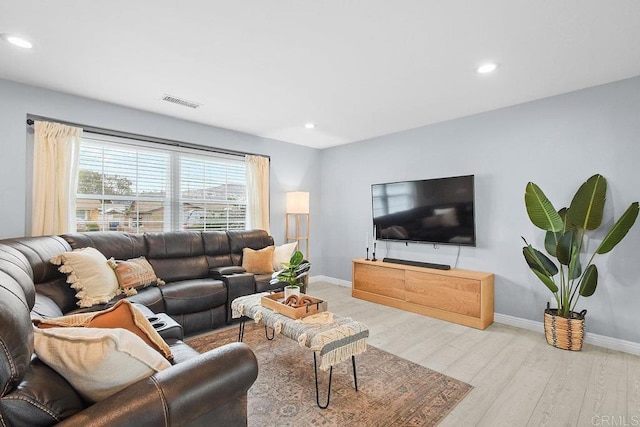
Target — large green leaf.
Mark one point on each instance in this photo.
(541, 212)
(567, 224)
(589, 281)
(619, 229)
(296, 258)
(538, 261)
(567, 246)
(551, 240)
(575, 267)
(549, 283)
(587, 206)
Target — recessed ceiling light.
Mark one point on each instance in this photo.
(310, 125)
(487, 68)
(17, 41)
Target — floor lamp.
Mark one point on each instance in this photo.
(298, 219)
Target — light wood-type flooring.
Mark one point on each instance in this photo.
(518, 379)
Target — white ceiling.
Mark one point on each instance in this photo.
(358, 69)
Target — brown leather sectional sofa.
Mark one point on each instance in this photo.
(202, 274)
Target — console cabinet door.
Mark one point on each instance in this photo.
(453, 294)
(388, 282)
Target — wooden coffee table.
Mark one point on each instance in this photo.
(334, 342)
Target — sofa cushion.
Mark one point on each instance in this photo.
(216, 248)
(177, 255)
(174, 244)
(181, 351)
(89, 274)
(150, 297)
(192, 296)
(258, 261)
(44, 308)
(134, 273)
(16, 332)
(43, 398)
(97, 362)
(114, 244)
(122, 315)
(38, 251)
(240, 239)
(176, 269)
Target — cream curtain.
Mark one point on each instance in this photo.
(55, 164)
(257, 168)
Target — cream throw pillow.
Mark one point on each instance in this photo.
(258, 262)
(97, 362)
(282, 254)
(89, 274)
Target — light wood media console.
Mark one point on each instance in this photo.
(459, 296)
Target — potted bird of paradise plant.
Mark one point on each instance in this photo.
(569, 278)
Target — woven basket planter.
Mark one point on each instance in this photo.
(564, 333)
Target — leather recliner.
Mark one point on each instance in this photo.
(193, 264)
(198, 390)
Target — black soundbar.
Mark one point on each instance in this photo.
(417, 263)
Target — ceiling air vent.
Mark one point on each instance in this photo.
(180, 101)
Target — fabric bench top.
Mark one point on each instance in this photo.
(334, 342)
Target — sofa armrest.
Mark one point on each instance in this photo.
(217, 272)
(206, 389)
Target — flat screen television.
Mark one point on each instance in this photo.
(426, 211)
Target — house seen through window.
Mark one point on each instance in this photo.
(126, 185)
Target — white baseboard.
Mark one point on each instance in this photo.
(518, 322)
(532, 325)
(589, 337)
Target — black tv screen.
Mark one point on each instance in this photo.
(429, 211)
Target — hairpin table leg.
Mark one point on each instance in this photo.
(266, 335)
(315, 371)
(355, 378)
(241, 330)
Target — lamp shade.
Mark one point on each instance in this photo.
(298, 202)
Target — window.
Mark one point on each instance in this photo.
(128, 185)
(393, 197)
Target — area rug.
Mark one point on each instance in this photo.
(391, 391)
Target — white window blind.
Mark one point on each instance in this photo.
(132, 186)
(212, 193)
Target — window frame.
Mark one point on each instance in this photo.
(172, 201)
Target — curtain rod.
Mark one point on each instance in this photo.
(144, 138)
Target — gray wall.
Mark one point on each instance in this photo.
(555, 142)
(293, 167)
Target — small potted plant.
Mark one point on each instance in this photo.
(293, 274)
(570, 278)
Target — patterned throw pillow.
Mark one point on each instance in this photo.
(134, 273)
(89, 274)
(258, 262)
(122, 315)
